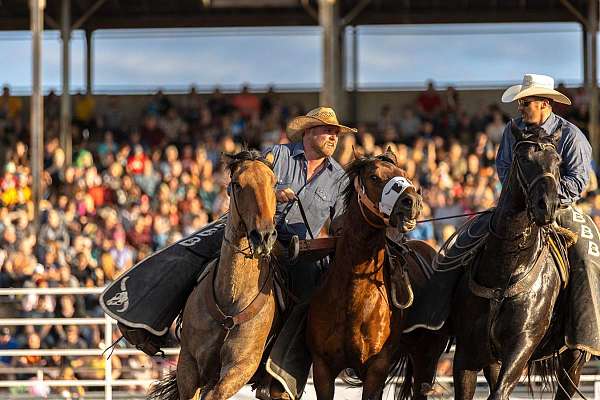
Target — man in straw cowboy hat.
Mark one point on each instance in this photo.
(535, 97)
(308, 177)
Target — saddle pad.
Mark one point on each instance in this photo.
(152, 293)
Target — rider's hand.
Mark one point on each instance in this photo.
(285, 195)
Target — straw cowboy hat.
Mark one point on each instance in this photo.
(534, 85)
(315, 117)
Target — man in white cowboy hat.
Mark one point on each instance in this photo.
(308, 176)
(535, 97)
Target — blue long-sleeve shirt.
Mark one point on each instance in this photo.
(573, 147)
(321, 197)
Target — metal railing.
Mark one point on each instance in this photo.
(108, 382)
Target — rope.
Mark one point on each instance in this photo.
(454, 216)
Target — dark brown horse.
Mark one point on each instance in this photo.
(354, 318)
(220, 354)
(504, 303)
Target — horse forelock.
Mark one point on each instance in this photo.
(235, 160)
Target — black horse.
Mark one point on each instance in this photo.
(505, 302)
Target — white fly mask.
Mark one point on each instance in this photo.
(391, 192)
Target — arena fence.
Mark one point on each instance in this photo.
(108, 383)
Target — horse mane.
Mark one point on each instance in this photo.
(354, 169)
(235, 160)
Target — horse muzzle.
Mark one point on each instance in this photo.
(262, 241)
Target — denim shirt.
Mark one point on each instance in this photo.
(573, 147)
(321, 196)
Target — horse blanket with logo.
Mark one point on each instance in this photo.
(581, 322)
(151, 294)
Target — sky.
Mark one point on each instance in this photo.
(289, 57)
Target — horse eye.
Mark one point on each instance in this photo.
(374, 178)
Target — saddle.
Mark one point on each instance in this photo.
(466, 243)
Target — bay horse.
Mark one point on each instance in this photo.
(354, 317)
(505, 301)
(229, 314)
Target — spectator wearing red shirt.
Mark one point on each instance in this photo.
(429, 102)
(247, 103)
(135, 162)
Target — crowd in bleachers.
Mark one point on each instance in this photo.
(131, 191)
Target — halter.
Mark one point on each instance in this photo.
(363, 200)
(248, 252)
(384, 208)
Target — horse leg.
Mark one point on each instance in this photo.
(491, 373)
(425, 359)
(187, 375)
(323, 378)
(465, 380)
(377, 372)
(570, 367)
(235, 373)
(513, 364)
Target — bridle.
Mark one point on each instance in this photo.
(524, 185)
(365, 201)
(248, 252)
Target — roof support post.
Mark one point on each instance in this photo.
(333, 93)
(89, 61)
(66, 140)
(36, 8)
(592, 88)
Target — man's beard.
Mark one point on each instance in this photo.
(325, 149)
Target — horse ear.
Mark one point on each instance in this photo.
(516, 132)
(270, 157)
(357, 153)
(230, 161)
(390, 154)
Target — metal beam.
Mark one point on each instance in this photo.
(51, 22)
(89, 61)
(574, 11)
(332, 92)
(309, 10)
(349, 17)
(36, 8)
(593, 82)
(65, 98)
(81, 20)
(297, 16)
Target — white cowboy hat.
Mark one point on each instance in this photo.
(316, 117)
(534, 85)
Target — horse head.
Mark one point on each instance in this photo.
(536, 167)
(385, 195)
(253, 202)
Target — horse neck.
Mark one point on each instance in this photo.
(507, 248)
(238, 278)
(361, 245)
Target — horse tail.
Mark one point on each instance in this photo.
(165, 389)
(546, 369)
(402, 367)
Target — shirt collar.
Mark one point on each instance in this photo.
(298, 150)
